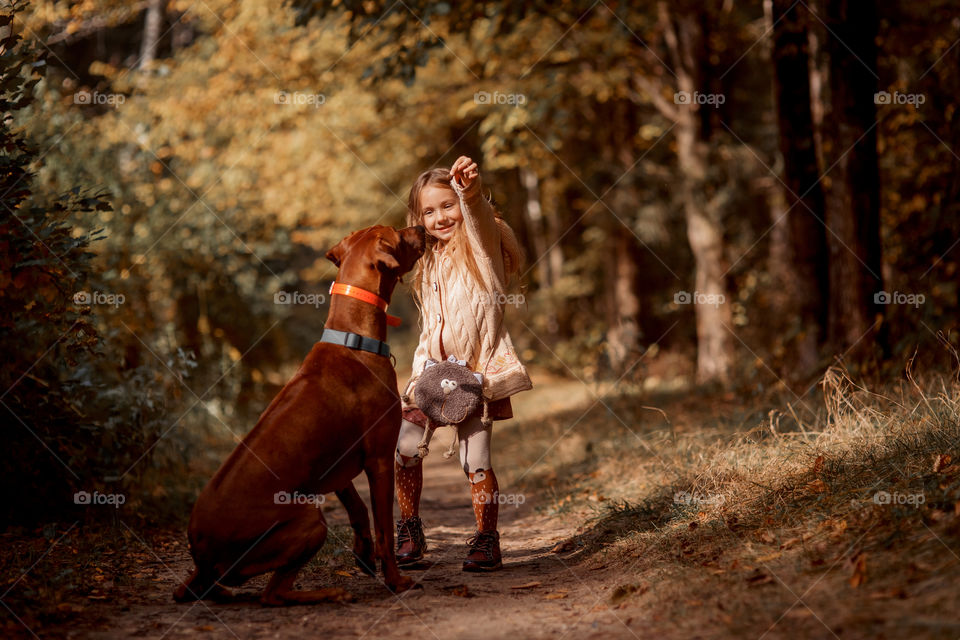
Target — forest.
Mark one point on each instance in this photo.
(738, 305)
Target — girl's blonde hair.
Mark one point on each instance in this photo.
(513, 257)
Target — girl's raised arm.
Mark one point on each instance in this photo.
(478, 216)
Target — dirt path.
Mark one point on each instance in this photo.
(557, 598)
(452, 604)
(643, 568)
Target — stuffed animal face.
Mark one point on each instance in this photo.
(448, 392)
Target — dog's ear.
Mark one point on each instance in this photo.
(386, 261)
(336, 254)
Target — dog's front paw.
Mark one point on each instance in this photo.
(363, 554)
(366, 563)
(403, 583)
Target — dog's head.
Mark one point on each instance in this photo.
(376, 258)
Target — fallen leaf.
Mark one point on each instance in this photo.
(528, 585)
(556, 595)
(623, 591)
(936, 515)
(345, 574)
(759, 579)
(940, 461)
(817, 486)
(818, 465)
(789, 543)
(859, 570)
(564, 546)
(459, 590)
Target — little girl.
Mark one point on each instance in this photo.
(459, 285)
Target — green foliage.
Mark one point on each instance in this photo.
(71, 417)
(243, 152)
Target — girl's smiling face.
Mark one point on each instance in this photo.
(440, 209)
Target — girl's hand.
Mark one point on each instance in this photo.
(465, 171)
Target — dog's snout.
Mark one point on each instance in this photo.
(421, 234)
(416, 237)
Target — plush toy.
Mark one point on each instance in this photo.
(448, 392)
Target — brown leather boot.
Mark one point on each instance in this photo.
(484, 552)
(411, 543)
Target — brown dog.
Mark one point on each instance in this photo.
(339, 415)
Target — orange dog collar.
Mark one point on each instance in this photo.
(351, 291)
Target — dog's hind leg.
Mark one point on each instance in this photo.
(360, 521)
(197, 587)
(280, 591)
(300, 539)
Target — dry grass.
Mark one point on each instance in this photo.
(704, 515)
(723, 517)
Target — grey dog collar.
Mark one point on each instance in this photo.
(356, 341)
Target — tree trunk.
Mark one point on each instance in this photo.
(554, 257)
(852, 201)
(151, 32)
(543, 243)
(807, 282)
(816, 72)
(623, 335)
(538, 236)
(684, 36)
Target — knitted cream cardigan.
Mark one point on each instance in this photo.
(451, 296)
